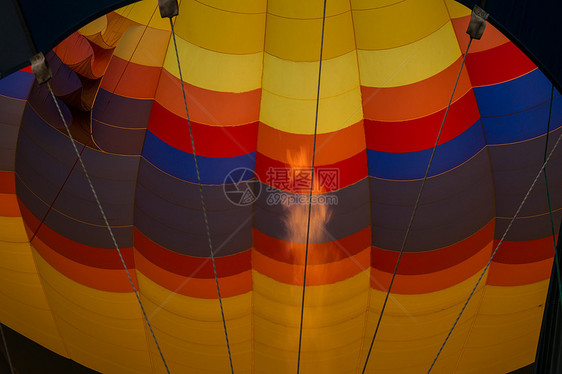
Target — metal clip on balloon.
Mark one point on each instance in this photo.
(477, 22)
(168, 8)
(40, 68)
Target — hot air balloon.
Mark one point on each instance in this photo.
(279, 187)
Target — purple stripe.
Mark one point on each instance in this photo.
(454, 205)
(348, 215)
(168, 211)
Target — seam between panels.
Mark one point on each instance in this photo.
(487, 147)
(146, 335)
(369, 270)
(484, 288)
(253, 311)
(41, 281)
(140, 159)
(31, 247)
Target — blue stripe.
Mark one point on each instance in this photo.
(16, 85)
(412, 165)
(181, 164)
(513, 96)
(523, 125)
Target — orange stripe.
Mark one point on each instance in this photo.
(9, 205)
(431, 282)
(490, 39)
(195, 287)
(101, 279)
(206, 106)
(519, 274)
(319, 253)
(331, 147)
(83, 57)
(316, 275)
(414, 101)
(122, 79)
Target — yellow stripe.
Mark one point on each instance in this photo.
(246, 6)
(399, 24)
(23, 305)
(506, 332)
(456, 9)
(299, 40)
(299, 80)
(98, 25)
(102, 330)
(220, 31)
(297, 116)
(102, 356)
(411, 63)
(215, 71)
(414, 326)
(12, 230)
(370, 4)
(334, 317)
(151, 49)
(190, 330)
(144, 11)
(306, 9)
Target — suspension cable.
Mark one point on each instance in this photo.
(404, 241)
(203, 206)
(93, 130)
(556, 254)
(106, 223)
(311, 187)
(495, 251)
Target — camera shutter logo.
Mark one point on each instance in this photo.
(242, 187)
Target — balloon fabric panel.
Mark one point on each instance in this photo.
(250, 72)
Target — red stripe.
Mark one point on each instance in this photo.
(419, 134)
(522, 252)
(104, 258)
(317, 275)
(201, 288)
(434, 281)
(321, 253)
(210, 141)
(7, 182)
(350, 171)
(497, 65)
(435, 260)
(189, 266)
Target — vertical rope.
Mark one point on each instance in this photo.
(311, 188)
(93, 130)
(415, 209)
(495, 251)
(78, 154)
(205, 218)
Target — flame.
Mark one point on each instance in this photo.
(297, 226)
(296, 216)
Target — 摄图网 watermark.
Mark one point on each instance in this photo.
(283, 186)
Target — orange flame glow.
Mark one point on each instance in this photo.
(296, 218)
